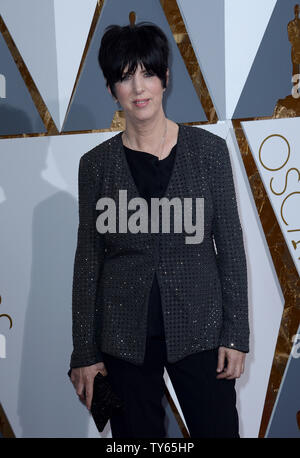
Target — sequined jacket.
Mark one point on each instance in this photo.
(203, 286)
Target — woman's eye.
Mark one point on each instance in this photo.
(129, 75)
(125, 77)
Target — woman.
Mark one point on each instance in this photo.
(147, 300)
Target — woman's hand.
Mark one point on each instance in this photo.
(235, 363)
(83, 381)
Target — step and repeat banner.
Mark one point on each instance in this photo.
(235, 71)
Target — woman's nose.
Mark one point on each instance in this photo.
(137, 83)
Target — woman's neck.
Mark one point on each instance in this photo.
(145, 136)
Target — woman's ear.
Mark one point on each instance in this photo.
(167, 77)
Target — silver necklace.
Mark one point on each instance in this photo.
(162, 144)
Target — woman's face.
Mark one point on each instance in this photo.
(140, 86)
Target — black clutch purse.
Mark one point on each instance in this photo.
(104, 403)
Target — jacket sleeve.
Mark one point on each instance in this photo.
(87, 267)
(231, 258)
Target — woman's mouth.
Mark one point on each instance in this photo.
(141, 103)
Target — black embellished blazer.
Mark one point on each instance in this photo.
(203, 286)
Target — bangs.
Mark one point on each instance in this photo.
(136, 49)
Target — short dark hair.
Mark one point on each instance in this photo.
(131, 45)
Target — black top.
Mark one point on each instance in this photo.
(151, 177)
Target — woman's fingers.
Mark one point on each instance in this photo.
(80, 391)
(235, 363)
(102, 369)
(221, 360)
(83, 381)
(89, 393)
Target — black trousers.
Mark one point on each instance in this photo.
(208, 404)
